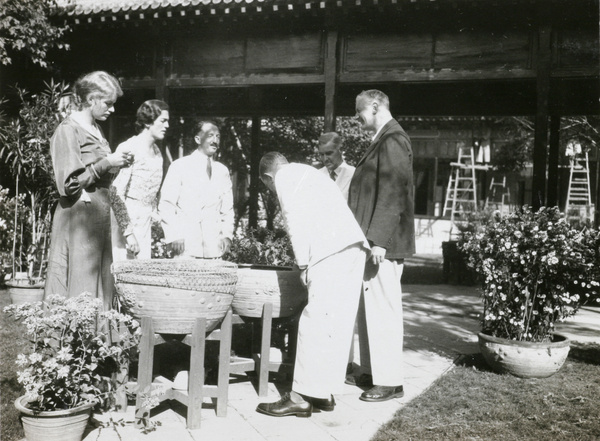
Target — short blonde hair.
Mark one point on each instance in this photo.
(97, 84)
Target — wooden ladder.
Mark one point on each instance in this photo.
(461, 193)
(498, 195)
(579, 199)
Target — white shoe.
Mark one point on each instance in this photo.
(181, 380)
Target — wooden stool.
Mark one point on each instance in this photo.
(193, 397)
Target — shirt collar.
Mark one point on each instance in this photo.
(339, 168)
(379, 130)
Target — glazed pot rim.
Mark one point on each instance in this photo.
(558, 341)
(20, 405)
(262, 266)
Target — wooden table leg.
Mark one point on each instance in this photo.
(224, 361)
(265, 350)
(196, 376)
(146, 360)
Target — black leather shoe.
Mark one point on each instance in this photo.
(382, 393)
(324, 404)
(362, 380)
(286, 407)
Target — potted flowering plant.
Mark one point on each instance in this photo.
(266, 273)
(74, 348)
(535, 270)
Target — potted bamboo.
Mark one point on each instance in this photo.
(25, 151)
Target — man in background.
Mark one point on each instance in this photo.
(330, 145)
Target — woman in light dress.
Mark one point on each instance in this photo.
(80, 250)
(133, 194)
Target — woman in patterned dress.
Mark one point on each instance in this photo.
(138, 185)
(80, 251)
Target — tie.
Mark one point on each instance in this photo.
(333, 175)
(208, 168)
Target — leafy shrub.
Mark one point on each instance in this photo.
(261, 246)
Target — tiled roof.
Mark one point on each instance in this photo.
(105, 7)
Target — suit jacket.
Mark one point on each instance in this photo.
(381, 193)
(197, 208)
(315, 213)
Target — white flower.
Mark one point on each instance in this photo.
(21, 360)
(63, 372)
(35, 357)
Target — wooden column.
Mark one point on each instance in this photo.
(255, 155)
(540, 152)
(161, 65)
(330, 80)
(553, 170)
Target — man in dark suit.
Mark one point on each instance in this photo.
(381, 198)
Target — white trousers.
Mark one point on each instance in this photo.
(326, 324)
(380, 323)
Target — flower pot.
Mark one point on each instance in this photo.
(524, 359)
(57, 425)
(260, 284)
(22, 292)
(174, 292)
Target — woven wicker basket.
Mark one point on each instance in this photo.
(174, 292)
(258, 285)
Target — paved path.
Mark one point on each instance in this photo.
(440, 324)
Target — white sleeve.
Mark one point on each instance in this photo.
(169, 198)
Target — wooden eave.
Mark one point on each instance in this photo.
(107, 11)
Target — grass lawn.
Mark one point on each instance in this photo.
(12, 342)
(473, 403)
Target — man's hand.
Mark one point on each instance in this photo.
(304, 276)
(176, 247)
(225, 245)
(132, 246)
(377, 254)
(303, 273)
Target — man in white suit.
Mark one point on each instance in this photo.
(330, 250)
(196, 203)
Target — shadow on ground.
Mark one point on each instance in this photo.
(444, 320)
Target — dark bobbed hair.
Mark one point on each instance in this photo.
(148, 112)
(97, 84)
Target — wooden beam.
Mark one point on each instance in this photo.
(245, 80)
(540, 143)
(434, 75)
(553, 195)
(255, 155)
(330, 80)
(348, 78)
